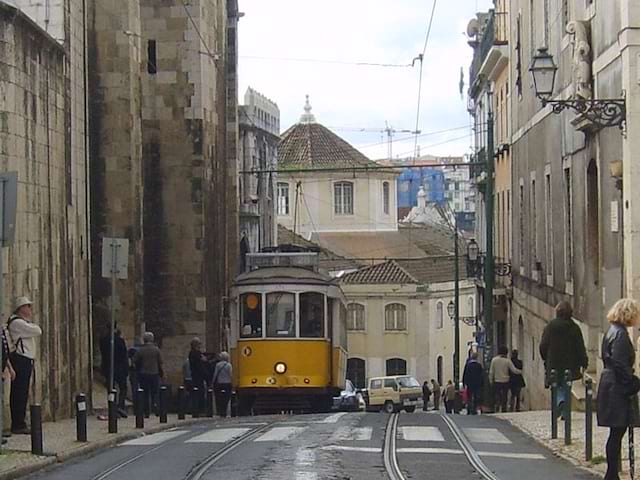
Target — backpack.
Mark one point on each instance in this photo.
(13, 344)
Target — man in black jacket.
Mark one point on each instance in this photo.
(562, 348)
(120, 366)
(472, 379)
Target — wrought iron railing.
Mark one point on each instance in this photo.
(495, 32)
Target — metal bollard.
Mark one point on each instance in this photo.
(632, 454)
(195, 402)
(588, 428)
(36, 430)
(113, 412)
(140, 408)
(181, 400)
(81, 417)
(163, 404)
(567, 409)
(553, 382)
(210, 402)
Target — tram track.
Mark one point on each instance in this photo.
(198, 471)
(392, 465)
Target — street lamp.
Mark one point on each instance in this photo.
(451, 310)
(473, 251)
(602, 113)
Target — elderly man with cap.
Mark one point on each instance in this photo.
(21, 332)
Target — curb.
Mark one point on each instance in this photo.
(89, 448)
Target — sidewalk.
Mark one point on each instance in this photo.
(537, 424)
(60, 443)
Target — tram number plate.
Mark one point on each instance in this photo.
(410, 402)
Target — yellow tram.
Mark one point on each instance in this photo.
(288, 339)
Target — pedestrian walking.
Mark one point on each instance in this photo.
(472, 380)
(618, 388)
(449, 397)
(562, 348)
(120, 366)
(133, 371)
(426, 394)
(148, 361)
(516, 383)
(222, 378)
(436, 394)
(21, 335)
(198, 369)
(499, 372)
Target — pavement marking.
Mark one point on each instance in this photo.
(352, 449)
(356, 434)
(155, 439)
(422, 434)
(486, 435)
(218, 435)
(305, 459)
(334, 418)
(440, 451)
(279, 434)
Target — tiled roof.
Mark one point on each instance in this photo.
(420, 271)
(384, 273)
(329, 260)
(311, 145)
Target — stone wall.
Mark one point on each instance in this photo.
(49, 260)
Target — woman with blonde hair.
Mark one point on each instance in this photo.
(617, 392)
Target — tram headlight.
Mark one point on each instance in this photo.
(280, 367)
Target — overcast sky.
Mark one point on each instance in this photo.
(349, 97)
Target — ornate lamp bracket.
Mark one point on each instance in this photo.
(601, 113)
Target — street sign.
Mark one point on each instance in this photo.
(8, 201)
(115, 257)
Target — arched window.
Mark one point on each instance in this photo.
(385, 197)
(396, 366)
(472, 306)
(283, 198)
(439, 372)
(439, 315)
(355, 317)
(356, 372)
(395, 317)
(343, 198)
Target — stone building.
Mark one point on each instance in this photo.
(575, 237)
(42, 138)
(259, 120)
(163, 85)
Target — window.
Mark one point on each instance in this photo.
(518, 48)
(439, 315)
(565, 16)
(568, 222)
(390, 382)
(355, 318)
(385, 197)
(152, 56)
(548, 225)
(395, 317)
(439, 370)
(375, 384)
(281, 314)
(343, 198)
(471, 306)
(521, 225)
(546, 24)
(532, 28)
(396, 366)
(251, 315)
(283, 198)
(311, 315)
(356, 372)
(593, 222)
(534, 223)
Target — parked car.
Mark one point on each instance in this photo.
(350, 399)
(394, 393)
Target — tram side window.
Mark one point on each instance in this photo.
(311, 315)
(281, 315)
(251, 315)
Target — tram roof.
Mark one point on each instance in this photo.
(283, 275)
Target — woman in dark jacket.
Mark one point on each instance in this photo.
(516, 382)
(617, 392)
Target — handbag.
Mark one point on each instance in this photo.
(633, 387)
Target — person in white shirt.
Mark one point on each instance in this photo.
(21, 332)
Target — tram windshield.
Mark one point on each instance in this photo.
(311, 315)
(281, 314)
(251, 315)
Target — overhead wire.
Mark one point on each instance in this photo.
(334, 62)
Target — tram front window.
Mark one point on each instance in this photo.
(281, 315)
(251, 315)
(311, 315)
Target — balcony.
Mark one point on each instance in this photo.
(492, 47)
(476, 171)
